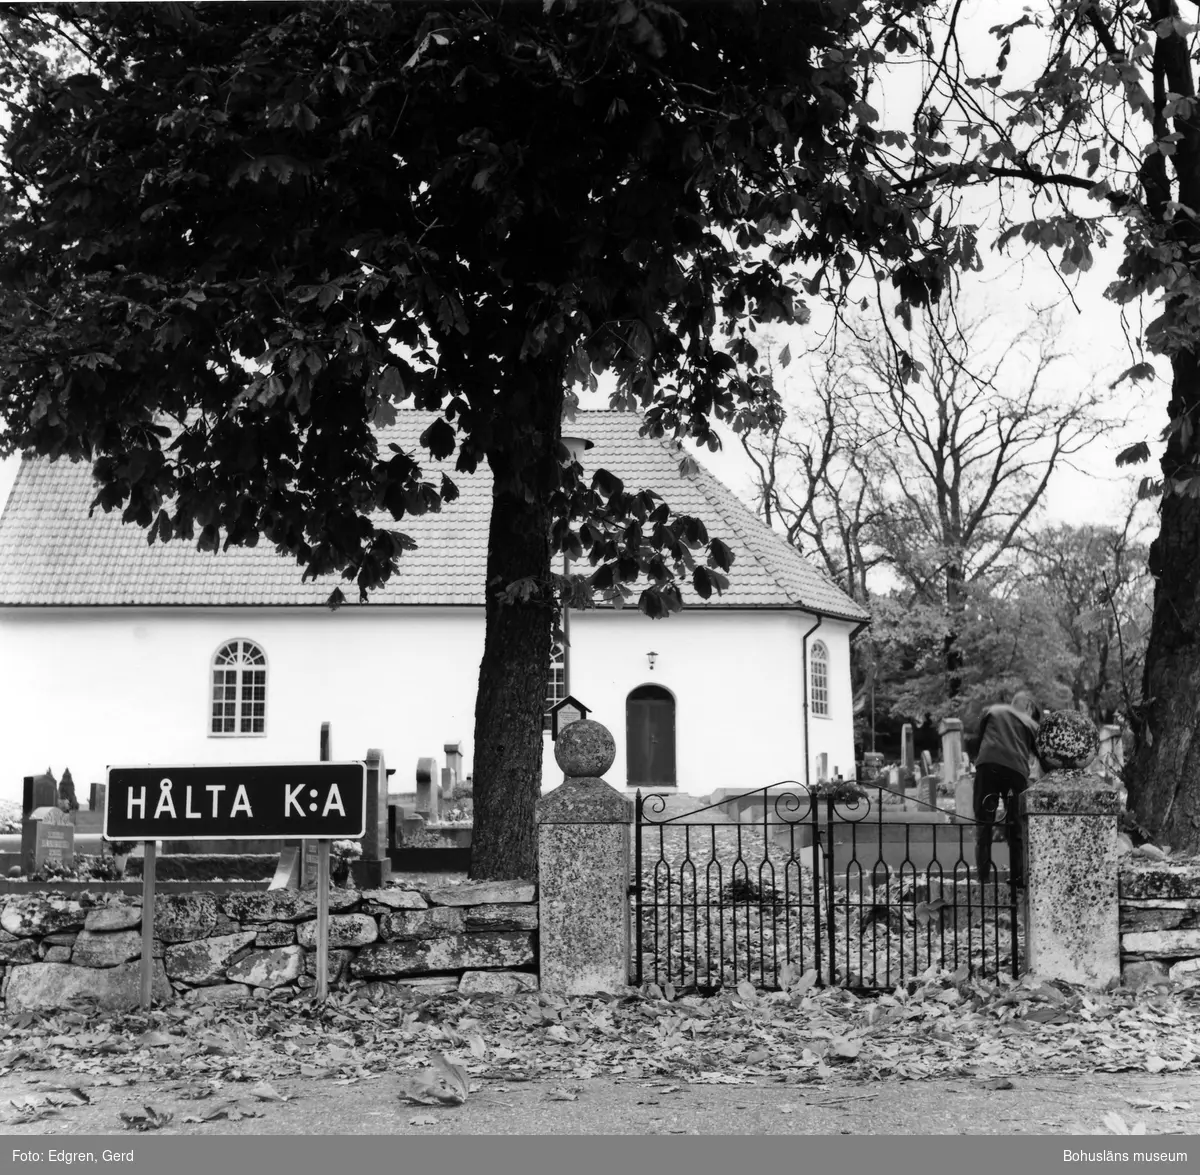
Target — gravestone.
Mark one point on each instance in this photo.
(428, 797)
(447, 784)
(287, 872)
(823, 768)
(908, 756)
(38, 791)
(308, 864)
(927, 793)
(964, 797)
(454, 761)
(926, 763)
(54, 838)
(872, 764)
(952, 748)
(373, 869)
(96, 796)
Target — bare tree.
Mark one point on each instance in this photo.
(937, 479)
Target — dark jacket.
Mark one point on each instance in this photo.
(1006, 738)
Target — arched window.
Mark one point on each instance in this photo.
(818, 696)
(239, 690)
(556, 682)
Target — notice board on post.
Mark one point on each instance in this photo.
(301, 801)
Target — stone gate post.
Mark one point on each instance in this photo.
(583, 869)
(1072, 917)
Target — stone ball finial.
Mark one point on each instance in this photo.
(1067, 739)
(585, 748)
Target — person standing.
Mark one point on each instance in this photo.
(1006, 751)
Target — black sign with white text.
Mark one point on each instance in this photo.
(294, 800)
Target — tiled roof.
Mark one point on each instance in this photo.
(51, 553)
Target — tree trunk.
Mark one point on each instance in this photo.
(1164, 778)
(512, 675)
(952, 656)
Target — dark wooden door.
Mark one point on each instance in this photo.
(650, 737)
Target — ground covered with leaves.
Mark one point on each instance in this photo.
(184, 1066)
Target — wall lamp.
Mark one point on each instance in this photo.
(651, 657)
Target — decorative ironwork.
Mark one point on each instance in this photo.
(814, 878)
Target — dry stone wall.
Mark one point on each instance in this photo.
(1160, 922)
(56, 950)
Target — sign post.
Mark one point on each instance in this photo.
(305, 801)
(322, 988)
(147, 969)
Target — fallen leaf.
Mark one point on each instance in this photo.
(1116, 1124)
(266, 1092)
(444, 1084)
(561, 1095)
(148, 1117)
(996, 1083)
(849, 1049)
(423, 1120)
(747, 991)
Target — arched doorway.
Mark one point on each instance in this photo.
(650, 737)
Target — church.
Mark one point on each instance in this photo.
(116, 652)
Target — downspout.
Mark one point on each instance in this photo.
(805, 689)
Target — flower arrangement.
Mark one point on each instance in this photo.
(345, 851)
(342, 854)
(1066, 738)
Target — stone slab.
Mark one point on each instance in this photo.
(275, 934)
(497, 982)
(335, 965)
(36, 915)
(64, 985)
(1158, 880)
(1162, 944)
(482, 893)
(503, 916)
(107, 948)
(204, 961)
(1186, 971)
(121, 917)
(394, 899)
(19, 950)
(1179, 917)
(285, 905)
(271, 968)
(345, 930)
(1143, 974)
(402, 925)
(457, 952)
(184, 917)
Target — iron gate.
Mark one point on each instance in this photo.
(826, 879)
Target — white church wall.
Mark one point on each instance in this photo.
(84, 689)
(88, 688)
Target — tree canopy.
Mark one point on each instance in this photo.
(238, 236)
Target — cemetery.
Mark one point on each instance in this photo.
(842, 880)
